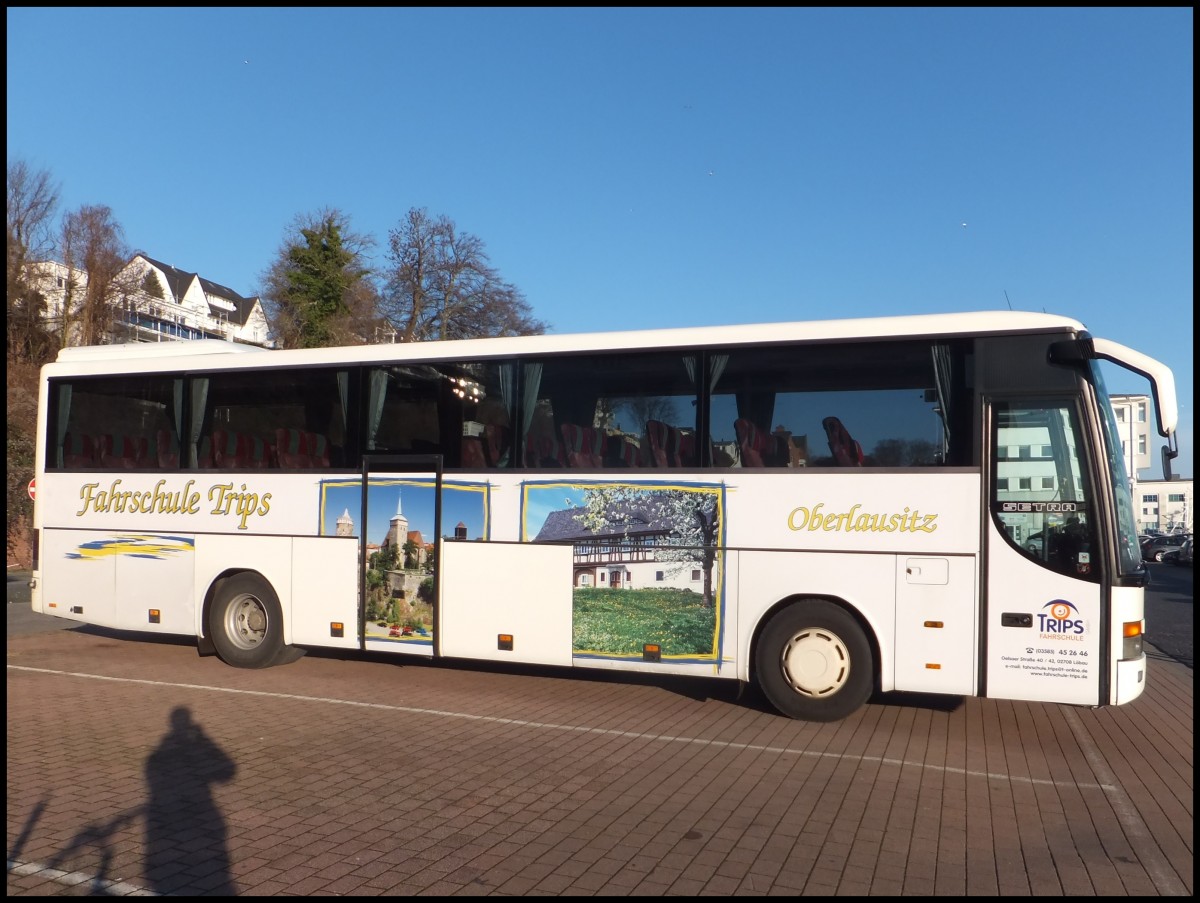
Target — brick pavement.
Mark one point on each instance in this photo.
(137, 767)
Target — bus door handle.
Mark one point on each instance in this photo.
(1016, 619)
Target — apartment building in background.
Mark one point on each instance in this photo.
(158, 302)
(1163, 505)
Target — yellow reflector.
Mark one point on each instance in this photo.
(932, 666)
(1132, 628)
(154, 612)
(933, 624)
(336, 625)
(652, 647)
(506, 638)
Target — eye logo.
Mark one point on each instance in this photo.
(1061, 609)
(1061, 617)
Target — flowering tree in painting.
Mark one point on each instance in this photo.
(691, 518)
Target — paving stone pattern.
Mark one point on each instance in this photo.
(136, 767)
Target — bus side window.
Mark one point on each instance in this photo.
(878, 391)
(111, 421)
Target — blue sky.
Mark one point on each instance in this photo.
(414, 498)
(641, 168)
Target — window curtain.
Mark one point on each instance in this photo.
(343, 384)
(716, 367)
(531, 384)
(199, 408)
(177, 410)
(507, 385)
(64, 417)
(943, 376)
(757, 407)
(378, 392)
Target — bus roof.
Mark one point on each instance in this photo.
(129, 351)
(211, 354)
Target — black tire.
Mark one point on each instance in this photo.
(814, 662)
(1159, 555)
(245, 622)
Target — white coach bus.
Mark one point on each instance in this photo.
(830, 509)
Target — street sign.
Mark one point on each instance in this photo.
(32, 488)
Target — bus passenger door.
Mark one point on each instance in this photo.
(506, 602)
(400, 522)
(1046, 623)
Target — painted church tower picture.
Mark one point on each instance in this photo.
(345, 524)
(397, 534)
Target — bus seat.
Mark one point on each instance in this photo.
(127, 452)
(234, 450)
(472, 453)
(544, 451)
(204, 454)
(846, 451)
(79, 450)
(752, 442)
(583, 445)
(685, 444)
(318, 450)
(167, 448)
(622, 451)
(495, 443)
(658, 440)
(296, 449)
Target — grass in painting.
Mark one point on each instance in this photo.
(621, 621)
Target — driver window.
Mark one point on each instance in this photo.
(1040, 490)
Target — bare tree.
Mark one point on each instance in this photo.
(99, 283)
(441, 285)
(318, 291)
(31, 203)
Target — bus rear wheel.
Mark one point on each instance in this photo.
(814, 662)
(246, 622)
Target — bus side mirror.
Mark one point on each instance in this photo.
(1167, 454)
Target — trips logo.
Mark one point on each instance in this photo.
(1061, 619)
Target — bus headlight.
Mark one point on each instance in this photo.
(1131, 639)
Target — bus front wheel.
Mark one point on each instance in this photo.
(814, 662)
(246, 622)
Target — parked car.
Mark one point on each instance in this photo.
(1156, 549)
(1183, 556)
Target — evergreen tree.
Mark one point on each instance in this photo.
(317, 292)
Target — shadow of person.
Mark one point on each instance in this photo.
(186, 837)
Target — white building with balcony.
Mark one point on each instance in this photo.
(158, 302)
